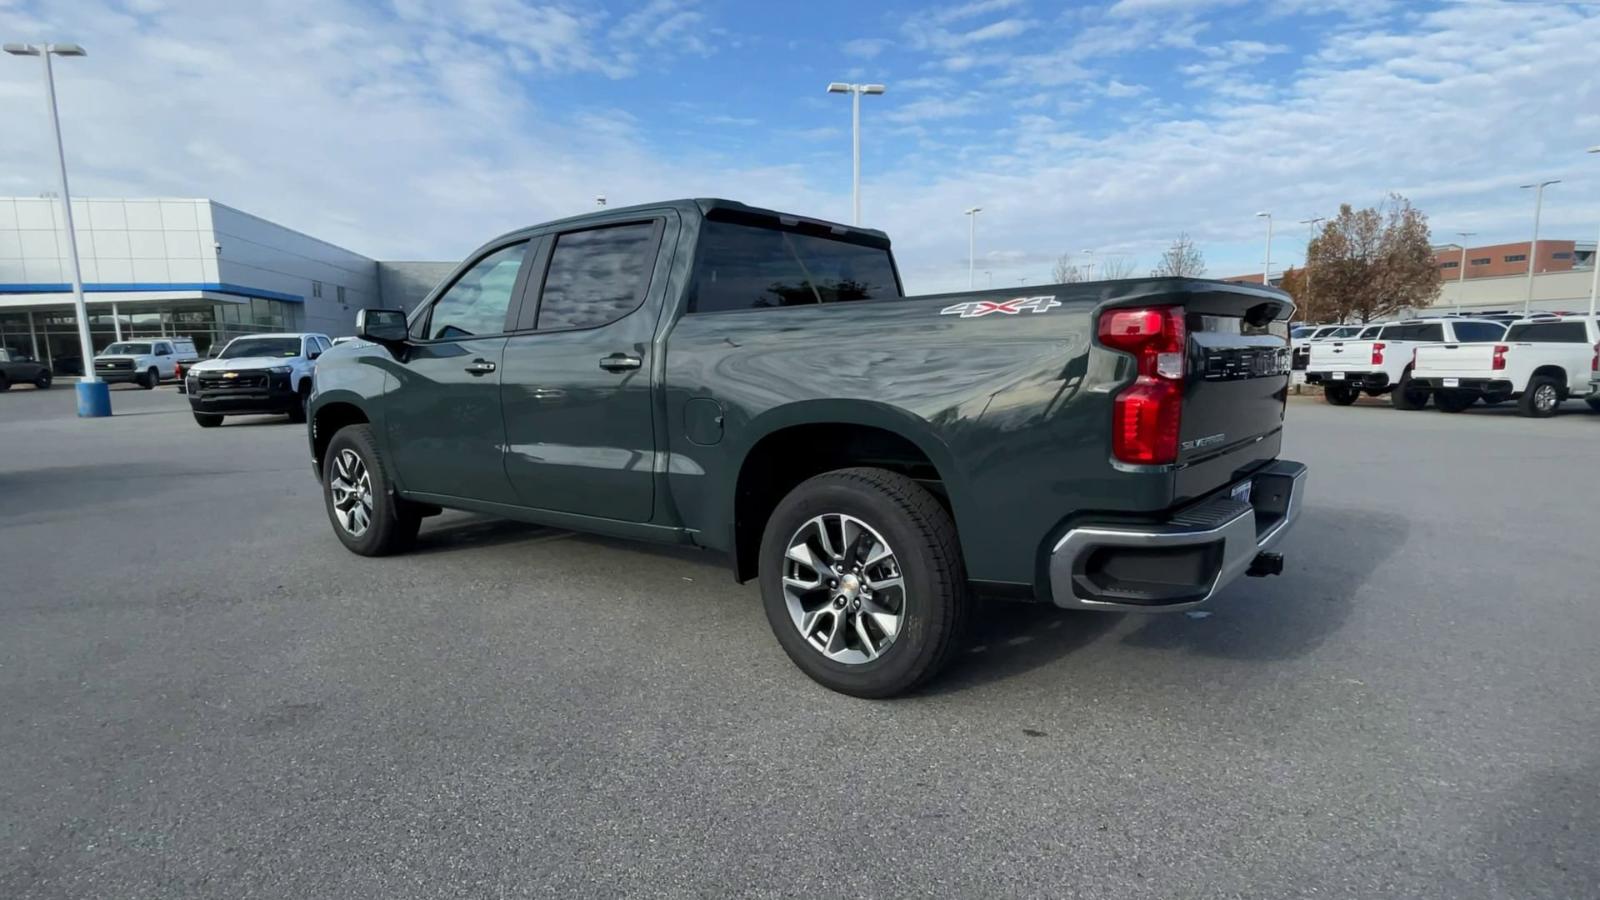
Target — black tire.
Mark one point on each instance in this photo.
(1594, 403)
(150, 379)
(5, 383)
(1406, 397)
(42, 380)
(1453, 401)
(1495, 399)
(207, 420)
(1340, 394)
(1535, 400)
(392, 522)
(933, 605)
(298, 413)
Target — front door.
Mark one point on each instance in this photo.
(580, 437)
(446, 432)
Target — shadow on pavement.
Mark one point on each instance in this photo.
(1539, 834)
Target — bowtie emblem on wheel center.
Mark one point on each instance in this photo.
(850, 586)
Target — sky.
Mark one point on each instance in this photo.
(418, 129)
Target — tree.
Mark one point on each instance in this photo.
(1183, 260)
(1065, 271)
(1114, 267)
(1372, 262)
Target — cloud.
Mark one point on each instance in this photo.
(1117, 89)
(864, 48)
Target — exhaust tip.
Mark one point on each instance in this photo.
(1266, 564)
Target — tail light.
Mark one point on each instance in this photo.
(1499, 357)
(1147, 413)
(1594, 364)
(1377, 352)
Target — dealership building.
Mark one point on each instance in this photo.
(180, 267)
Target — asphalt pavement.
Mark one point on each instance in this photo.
(202, 694)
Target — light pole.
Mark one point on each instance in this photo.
(972, 246)
(1266, 270)
(1311, 235)
(855, 91)
(1594, 261)
(94, 395)
(1088, 268)
(600, 201)
(1461, 278)
(1533, 249)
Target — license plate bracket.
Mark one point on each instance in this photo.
(1338, 376)
(1452, 382)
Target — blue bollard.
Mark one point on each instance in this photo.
(94, 399)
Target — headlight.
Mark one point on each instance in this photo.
(280, 370)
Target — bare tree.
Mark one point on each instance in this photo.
(1114, 267)
(1181, 260)
(1065, 271)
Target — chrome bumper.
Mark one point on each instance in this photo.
(1240, 530)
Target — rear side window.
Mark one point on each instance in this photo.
(597, 276)
(1549, 333)
(1478, 331)
(746, 267)
(1425, 331)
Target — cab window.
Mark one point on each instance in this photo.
(477, 303)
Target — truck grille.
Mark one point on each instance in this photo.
(241, 381)
(113, 365)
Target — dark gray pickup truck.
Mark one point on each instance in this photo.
(707, 373)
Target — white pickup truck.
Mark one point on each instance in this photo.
(1541, 362)
(1381, 364)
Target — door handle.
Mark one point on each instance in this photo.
(620, 362)
(480, 367)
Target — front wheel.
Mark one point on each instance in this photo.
(150, 379)
(207, 420)
(367, 516)
(42, 380)
(1341, 394)
(1541, 399)
(863, 582)
(297, 413)
(5, 383)
(1406, 395)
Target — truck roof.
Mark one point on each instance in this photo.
(707, 206)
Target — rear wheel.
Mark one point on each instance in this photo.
(1495, 399)
(42, 380)
(863, 582)
(207, 420)
(149, 379)
(1340, 394)
(1454, 401)
(1406, 395)
(1541, 399)
(5, 383)
(367, 516)
(1594, 403)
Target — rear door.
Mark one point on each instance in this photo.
(446, 431)
(576, 389)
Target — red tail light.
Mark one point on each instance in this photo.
(1146, 414)
(1377, 353)
(1594, 364)
(1499, 356)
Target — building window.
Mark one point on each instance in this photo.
(1516, 257)
(1450, 264)
(316, 289)
(1562, 255)
(1481, 261)
(340, 290)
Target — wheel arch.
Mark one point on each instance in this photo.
(1555, 372)
(787, 445)
(330, 415)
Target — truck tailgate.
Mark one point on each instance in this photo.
(1340, 356)
(1436, 360)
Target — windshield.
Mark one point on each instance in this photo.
(127, 350)
(278, 347)
(1302, 332)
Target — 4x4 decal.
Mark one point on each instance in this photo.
(972, 309)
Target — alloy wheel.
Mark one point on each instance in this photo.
(844, 588)
(1544, 398)
(351, 485)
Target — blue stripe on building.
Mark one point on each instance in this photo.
(117, 288)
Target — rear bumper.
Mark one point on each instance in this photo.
(1367, 381)
(1183, 562)
(1464, 383)
(118, 376)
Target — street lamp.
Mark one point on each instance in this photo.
(1461, 277)
(1088, 268)
(1266, 270)
(94, 395)
(1533, 249)
(972, 245)
(1594, 261)
(1311, 235)
(855, 91)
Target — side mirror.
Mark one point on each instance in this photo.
(381, 326)
(313, 354)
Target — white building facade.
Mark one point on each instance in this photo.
(180, 267)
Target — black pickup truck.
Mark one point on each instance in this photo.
(707, 373)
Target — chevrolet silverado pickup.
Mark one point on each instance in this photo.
(1382, 364)
(1540, 362)
(754, 383)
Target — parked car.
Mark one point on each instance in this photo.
(1540, 362)
(144, 362)
(1381, 364)
(1300, 339)
(258, 374)
(706, 373)
(17, 367)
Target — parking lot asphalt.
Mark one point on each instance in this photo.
(203, 695)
